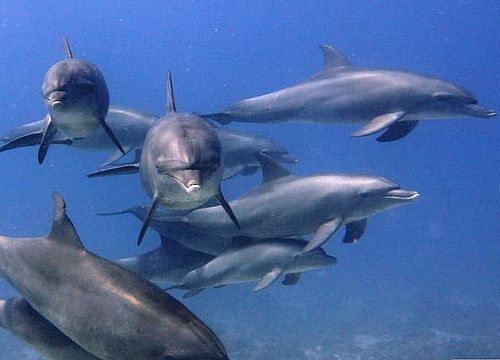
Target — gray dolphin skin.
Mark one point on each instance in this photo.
(129, 125)
(168, 263)
(24, 322)
(287, 205)
(180, 165)
(262, 261)
(343, 94)
(77, 100)
(109, 311)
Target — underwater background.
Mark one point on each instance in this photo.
(423, 283)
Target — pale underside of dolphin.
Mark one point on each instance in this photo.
(394, 101)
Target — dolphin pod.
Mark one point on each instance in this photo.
(109, 311)
(394, 101)
(73, 304)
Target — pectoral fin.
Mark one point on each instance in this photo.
(379, 123)
(22, 141)
(123, 169)
(154, 204)
(398, 130)
(48, 134)
(111, 135)
(227, 208)
(354, 230)
(115, 156)
(191, 293)
(323, 234)
(291, 279)
(268, 279)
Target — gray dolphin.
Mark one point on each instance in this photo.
(77, 100)
(109, 311)
(168, 263)
(263, 261)
(24, 322)
(180, 165)
(379, 99)
(129, 125)
(287, 205)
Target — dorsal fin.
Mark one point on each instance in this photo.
(67, 50)
(333, 58)
(63, 230)
(170, 94)
(271, 170)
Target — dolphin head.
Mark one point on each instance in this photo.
(312, 260)
(72, 84)
(440, 99)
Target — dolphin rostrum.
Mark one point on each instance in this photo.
(109, 311)
(341, 93)
(77, 100)
(287, 205)
(263, 261)
(180, 165)
(24, 322)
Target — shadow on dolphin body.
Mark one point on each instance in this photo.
(109, 311)
(394, 101)
(77, 100)
(18, 317)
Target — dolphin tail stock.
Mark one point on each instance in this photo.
(120, 212)
(111, 134)
(221, 118)
(123, 169)
(227, 208)
(189, 293)
(323, 234)
(149, 215)
(48, 135)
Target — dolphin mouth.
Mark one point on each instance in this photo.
(56, 104)
(479, 111)
(189, 186)
(402, 195)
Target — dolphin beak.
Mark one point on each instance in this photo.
(479, 111)
(402, 195)
(288, 159)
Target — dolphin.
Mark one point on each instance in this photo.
(129, 125)
(286, 205)
(341, 93)
(77, 100)
(168, 263)
(180, 164)
(263, 261)
(109, 311)
(24, 322)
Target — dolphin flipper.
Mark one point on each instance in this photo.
(323, 234)
(123, 169)
(220, 198)
(268, 279)
(115, 156)
(398, 130)
(379, 123)
(221, 118)
(354, 230)
(154, 204)
(22, 141)
(291, 279)
(111, 134)
(48, 134)
(191, 293)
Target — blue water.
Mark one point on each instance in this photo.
(424, 281)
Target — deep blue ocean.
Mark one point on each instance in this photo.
(423, 283)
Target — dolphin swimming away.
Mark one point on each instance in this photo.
(263, 261)
(18, 317)
(389, 100)
(287, 205)
(109, 311)
(77, 101)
